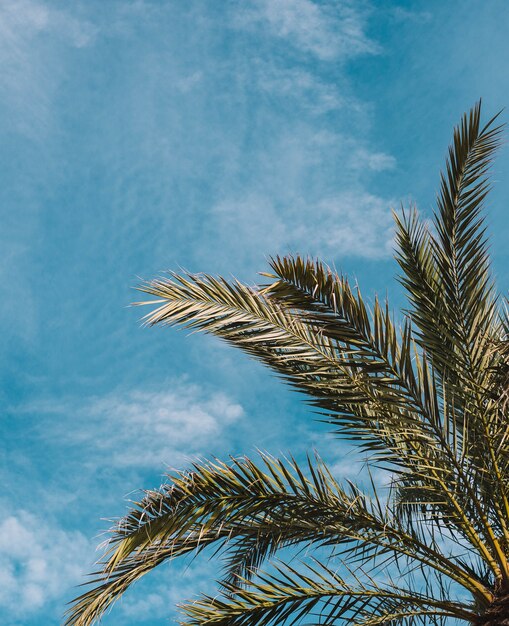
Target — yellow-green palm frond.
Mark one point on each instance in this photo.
(317, 594)
(370, 382)
(248, 512)
(456, 473)
(347, 379)
(425, 398)
(446, 270)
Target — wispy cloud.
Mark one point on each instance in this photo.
(142, 429)
(35, 41)
(106, 443)
(401, 14)
(329, 30)
(308, 188)
(32, 34)
(354, 223)
(25, 19)
(299, 86)
(366, 160)
(40, 563)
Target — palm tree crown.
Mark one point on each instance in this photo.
(426, 400)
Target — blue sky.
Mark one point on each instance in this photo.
(140, 136)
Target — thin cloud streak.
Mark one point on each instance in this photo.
(349, 224)
(327, 30)
(141, 429)
(33, 35)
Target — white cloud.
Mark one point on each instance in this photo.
(308, 193)
(357, 224)
(308, 189)
(26, 18)
(40, 563)
(404, 15)
(375, 161)
(32, 35)
(147, 429)
(354, 223)
(141, 429)
(187, 83)
(300, 85)
(326, 30)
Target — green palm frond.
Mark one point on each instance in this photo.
(250, 511)
(321, 298)
(353, 385)
(368, 342)
(447, 272)
(454, 305)
(289, 596)
(426, 398)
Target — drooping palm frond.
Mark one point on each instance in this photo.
(249, 512)
(426, 399)
(318, 593)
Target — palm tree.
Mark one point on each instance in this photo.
(426, 400)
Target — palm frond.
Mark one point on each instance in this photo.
(447, 273)
(427, 399)
(293, 597)
(343, 382)
(250, 511)
(454, 305)
(325, 300)
(355, 370)
(445, 474)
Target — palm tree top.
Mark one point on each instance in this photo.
(425, 399)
